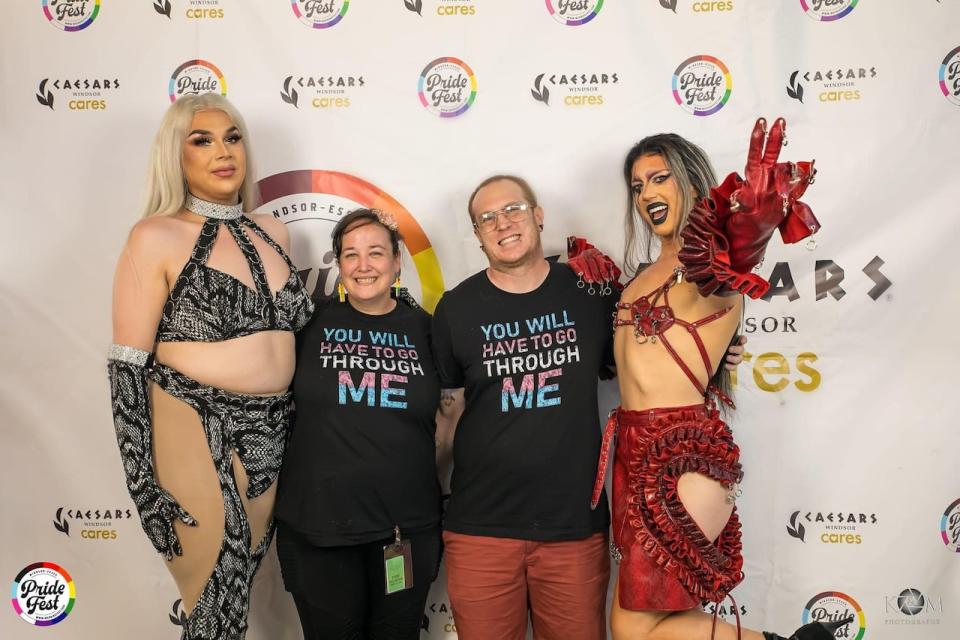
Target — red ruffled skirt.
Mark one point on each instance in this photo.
(666, 562)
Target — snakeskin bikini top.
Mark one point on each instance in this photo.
(651, 319)
(208, 305)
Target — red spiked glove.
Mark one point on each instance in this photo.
(592, 265)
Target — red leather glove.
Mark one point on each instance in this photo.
(727, 232)
(592, 265)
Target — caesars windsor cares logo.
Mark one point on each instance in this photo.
(328, 91)
(320, 14)
(834, 527)
(702, 85)
(833, 606)
(444, 7)
(311, 202)
(71, 15)
(447, 87)
(95, 524)
(196, 9)
(86, 94)
(912, 607)
(827, 10)
(839, 84)
(574, 89)
(700, 7)
(574, 13)
(43, 594)
(950, 76)
(194, 77)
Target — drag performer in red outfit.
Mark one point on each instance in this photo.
(675, 528)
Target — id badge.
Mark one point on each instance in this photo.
(397, 565)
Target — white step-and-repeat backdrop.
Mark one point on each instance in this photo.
(851, 500)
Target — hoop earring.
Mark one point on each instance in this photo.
(341, 292)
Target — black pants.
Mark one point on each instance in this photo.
(339, 591)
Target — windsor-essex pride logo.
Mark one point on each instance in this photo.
(950, 526)
(702, 85)
(833, 606)
(311, 202)
(447, 87)
(950, 76)
(320, 14)
(43, 594)
(827, 10)
(574, 13)
(71, 15)
(196, 76)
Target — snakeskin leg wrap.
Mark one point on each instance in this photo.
(256, 427)
(667, 563)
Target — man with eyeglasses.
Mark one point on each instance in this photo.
(525, 344)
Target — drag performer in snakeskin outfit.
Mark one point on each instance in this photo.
(205, 305)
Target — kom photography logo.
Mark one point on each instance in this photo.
(78, 93)
(573, 89)
(831, 85)
(447, 87)
(827, 10)
(831, 527)
(321, 91)
(442, 8)
(704, 6)
(43, 594)
(311, 202)
(192, 9)
(912, 607)
(834, 606)
(950, 76)
(90, 524)
(196, 76)
(320, 14)
(71, 15)
(702, 85)
(574, 13)
(950, 526)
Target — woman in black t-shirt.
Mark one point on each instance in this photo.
(359, 501)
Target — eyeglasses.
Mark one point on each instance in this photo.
(515, 212)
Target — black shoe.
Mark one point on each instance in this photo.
(813, 631)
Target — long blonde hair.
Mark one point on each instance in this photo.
(166, 186)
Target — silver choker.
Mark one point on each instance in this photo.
(212, 209)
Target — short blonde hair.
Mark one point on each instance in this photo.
(166, 186)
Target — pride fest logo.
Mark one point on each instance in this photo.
(832, 606)
(950, 76)
(194, 77)
(702, 85)
(71, 15)
(320, 14)
(447, 87)
(950, 526)
(43, 594)
(311, 202)
(827, 10)
(574, 13)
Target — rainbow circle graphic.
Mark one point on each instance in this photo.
(953, 95)
(859, 617)
(945, 525)
(76, 27)
(320, 24)
(209, 66)
(367, 195)
(422, 86)
(47, 568)
(577, 22)
(727, 80)
(828, 18)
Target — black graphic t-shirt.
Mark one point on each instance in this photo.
(526, 448)
(362, 455)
